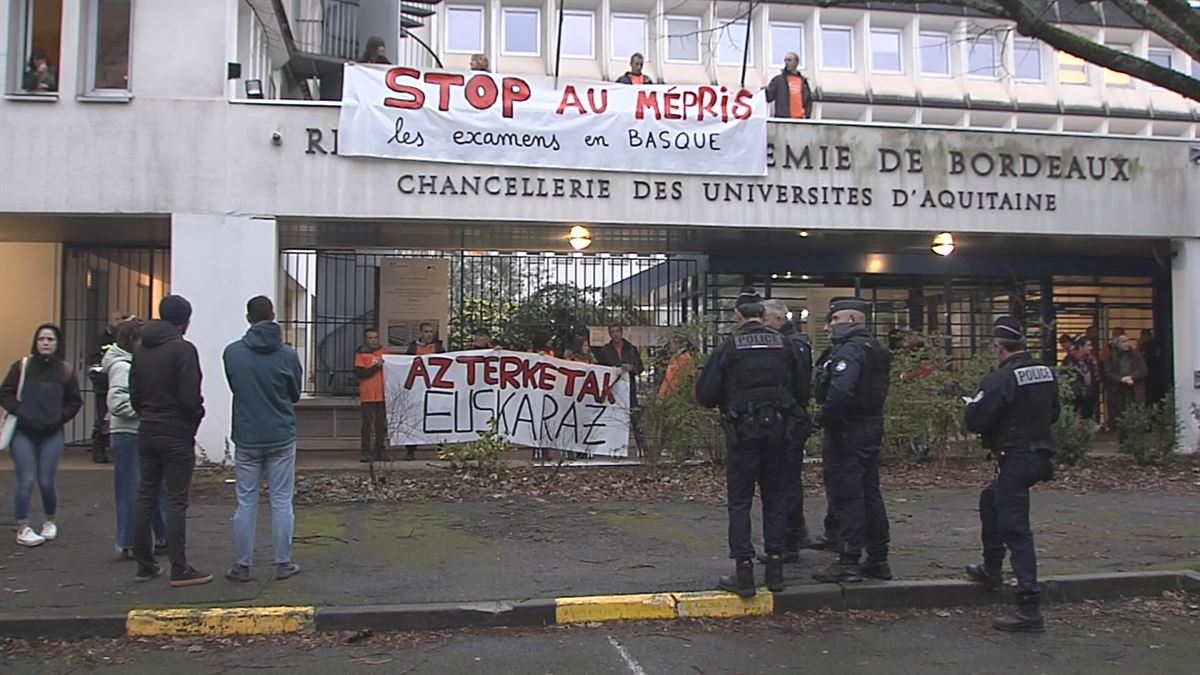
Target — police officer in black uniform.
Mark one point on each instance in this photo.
(797, 529)
(851, 389)
(757, 378)
(1014, 410)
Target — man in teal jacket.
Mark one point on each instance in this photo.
(265, 377)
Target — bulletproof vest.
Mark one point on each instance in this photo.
(1026, 422)
(874, 378)
(821, 375)
(759, 371)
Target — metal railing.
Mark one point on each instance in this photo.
(328, 27)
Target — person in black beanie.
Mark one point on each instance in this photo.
(164, 388)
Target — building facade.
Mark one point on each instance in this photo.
(148, 167)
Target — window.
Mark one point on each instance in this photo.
(578, 34)
(732, 43)
(981, 57)
(110, 54)
(464, 30)
(628, 35)
(39, 39)
(683, 39)
(1115, 78)
(837, 48)
(1196, 69)
(521, 34)
(885, 51)
(1071, 69)
(1027, 60)
(786, 37)
(1161, 57)
(935, 53)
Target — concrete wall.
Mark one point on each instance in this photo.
(1185, 308)
(30, 275)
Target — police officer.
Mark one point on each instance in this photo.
(797, 530)
(1014, 410)
(851, 389)
(757, 379)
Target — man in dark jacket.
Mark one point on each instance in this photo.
(619, 353)
(634, 75)
(789, 91)
(264, 376)
(164, 388)
(776, 318)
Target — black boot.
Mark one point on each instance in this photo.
(824, 542)
(741, 581)
(844, 570)
(100, 450)
(991, 578)
(1027, 618)
(877, 569)
(774, 572)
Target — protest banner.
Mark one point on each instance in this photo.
(535, 401)
(483, 118)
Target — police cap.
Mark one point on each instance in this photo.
(849, 302)
(748, 296)
(1008, 328)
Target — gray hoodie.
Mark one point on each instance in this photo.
(122, 418)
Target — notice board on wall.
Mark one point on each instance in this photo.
(413, 291)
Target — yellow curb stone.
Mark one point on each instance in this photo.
(586, 609)
(218, 622)
(723, 605)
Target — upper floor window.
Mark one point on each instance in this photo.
(1161, 57)
(837, 48)
(521, 32)
(109, 21)
(731, 45)
(578, 34)
(1027, 60)
(981, 57)
(464, 29)
(935, 53)
(1115, 78)
(1196, 69)
(683, 39)
(1072, 69)
(885, 51)
(628, 35)
(786, 38)
(35, 56)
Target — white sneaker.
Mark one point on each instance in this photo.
(27, 537)
(49, 531)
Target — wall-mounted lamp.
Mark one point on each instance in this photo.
(254, 89)
(579, 238)
(943, 244)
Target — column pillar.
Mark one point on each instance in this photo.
(219, 262)
(1185, 334)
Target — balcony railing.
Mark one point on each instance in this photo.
(327, 27)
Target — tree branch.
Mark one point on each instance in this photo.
(1183, 14)
(1153, 20)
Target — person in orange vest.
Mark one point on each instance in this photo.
(681, 368)
(427, 343)
(368, 369)
(634, 75)
(789, 91)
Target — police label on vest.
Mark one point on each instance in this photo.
(1033, 375)
(758, 341)
(842, 365)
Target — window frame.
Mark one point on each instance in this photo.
(1162, 50)
(945, 37)
(899, 35)
(725, 25)
(1040, 49)
(1084, 69)
(91, 58)
(476, 9)
(699, 22)
(838, 28)
(971, 71)
(1117, 81)
(591, 17)
(612, 34)
(21, 33)
(537, 30)
(771, 39)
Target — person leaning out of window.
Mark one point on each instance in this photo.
(376, 51)
(634, 75)
(480, 62)
(40, 77)
(789, 91)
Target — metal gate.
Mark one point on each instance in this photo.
(331, 296)
(97, 282)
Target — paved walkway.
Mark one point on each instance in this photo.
(529, 548)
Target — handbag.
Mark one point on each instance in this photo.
(9, 426)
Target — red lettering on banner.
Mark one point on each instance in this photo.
(571, 374)
(442, 364)
(444, 81)
(570, 98)
(607, 395)
(590, 388)
(490, 370)
(645, 100)
(515, 91)
(471, 362)
(417, 370)
(671, 102)
(510, 371)
(691, 99)
(603, 105)
(529, 373)
(481, 92)
(547, 378)
(416, 96)
(707, 102)
(742, 108)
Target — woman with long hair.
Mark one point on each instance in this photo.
(376, 51)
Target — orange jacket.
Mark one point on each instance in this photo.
(681, 365)
(370, 375)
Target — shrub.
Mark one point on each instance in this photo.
(1072, 433)
(485, 453)
(677, 428)
(1150, 433)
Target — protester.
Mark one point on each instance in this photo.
(1155, 357)
(543, 343)
(368, 369)
(1125, 373)
(790, 92)
(578, 349)
(123, 435)
(1086, 384)
(96, 373)
(481, 339)
(375, 52)
(164, 388)
(42, 392)
(619, 353)
(427, 343)
(264, 377)
(682, 366)
(40, 76)
(1066, 344)
(480, 63)
(634, 74)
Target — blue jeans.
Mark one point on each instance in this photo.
(279, 465)
(126, 475)
(35, 457)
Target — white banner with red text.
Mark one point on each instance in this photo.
(483, 118)
(532, 400)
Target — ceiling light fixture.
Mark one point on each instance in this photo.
(943, 244)
(803, 233)
(579, 238)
